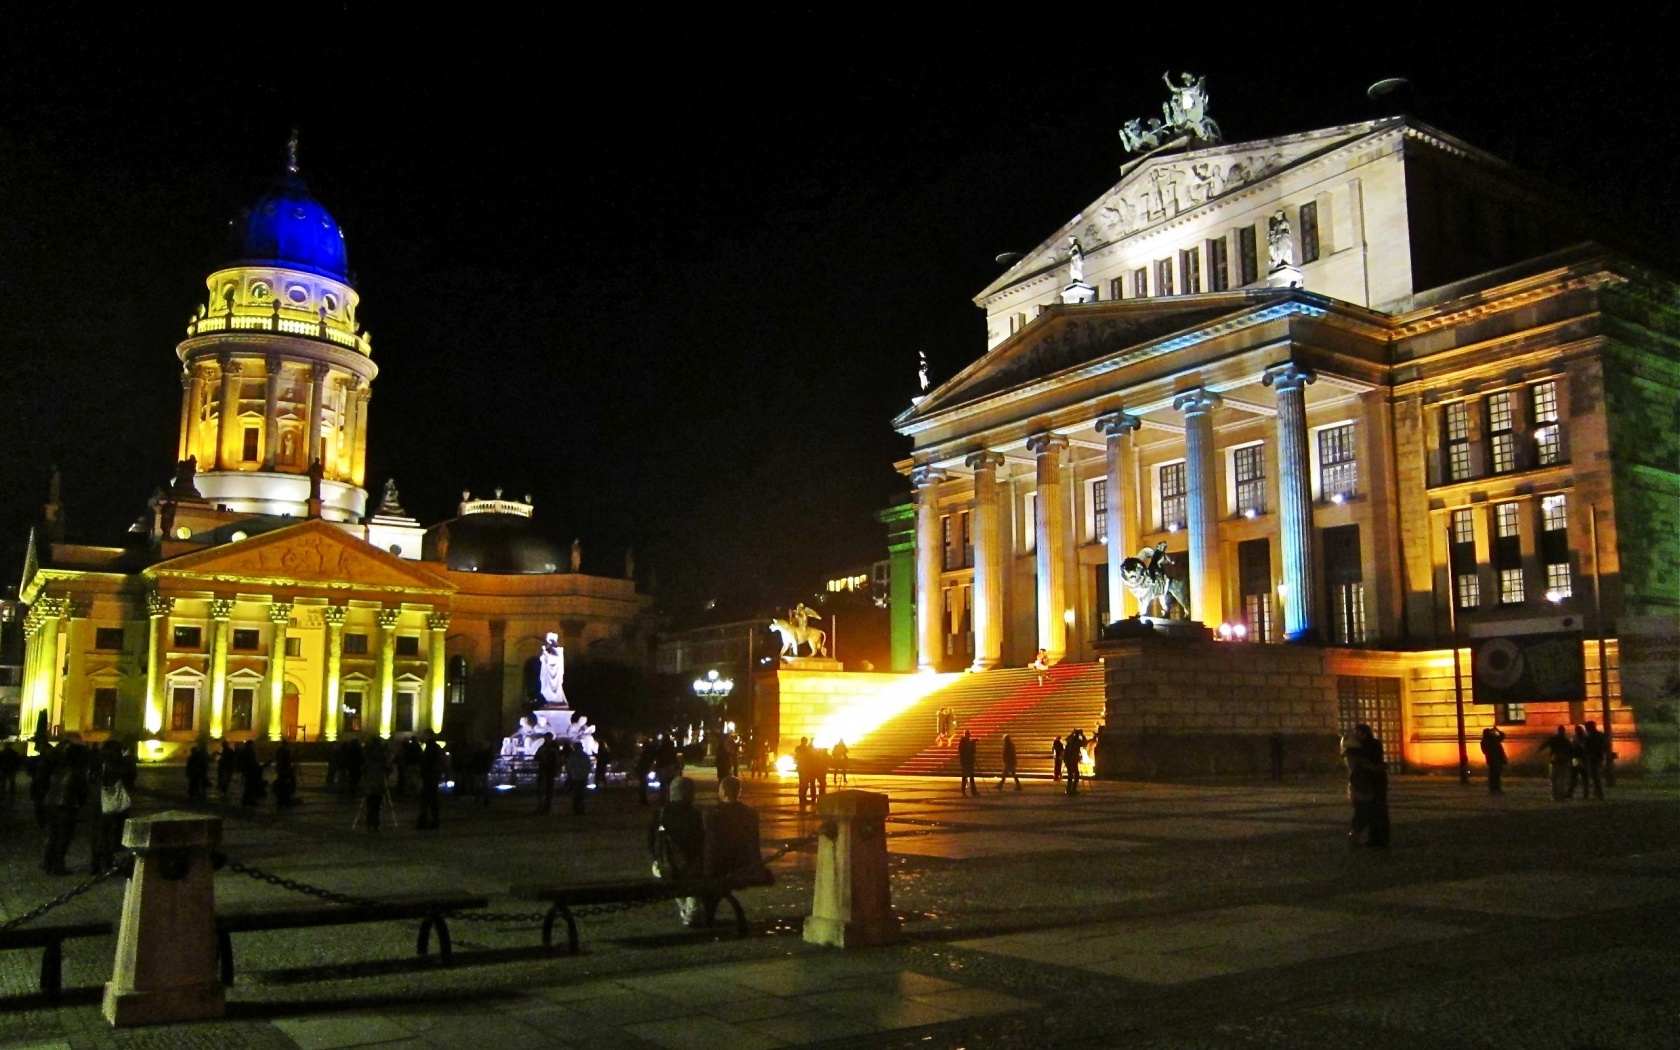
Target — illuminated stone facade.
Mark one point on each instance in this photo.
(1438, 395)
(257, 598)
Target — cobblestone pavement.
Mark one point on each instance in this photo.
(1151, 916)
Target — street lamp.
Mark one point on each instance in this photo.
(713, 688)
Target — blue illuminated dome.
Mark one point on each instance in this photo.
(289, 227)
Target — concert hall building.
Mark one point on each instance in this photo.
(1368, 385)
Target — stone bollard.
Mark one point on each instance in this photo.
(853, 906)
(165, 968)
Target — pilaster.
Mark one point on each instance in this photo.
(333, 616)
(317, 408)
(438, 624)
(1050, 449)
(271, 412)
(221, 611)
(280, 615)
(158, 608)
(387, 669)
(1207, 577)
(227, 418)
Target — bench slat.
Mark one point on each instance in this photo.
(46, 933)
(631, 890)
(253, 920)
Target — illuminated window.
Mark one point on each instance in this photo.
(457, 679)
(188, 637)
(1554, 545)
(247, 639)
(1170, 484)
(1507, 519)
(1464, 526)
(1457, 418)
(1510, 586)
(1469, 590)
(1510, 714)
(1309, 232)
(1507, 552)
(1140, 283)
(1548, 446)
(108, 638)
(1338, 464)
(1099, 510)
(1219, 264)
(1462, 555)
(241, 710)
(1559, 584)
(1248, 256)
(1163, 277)
(1254, 578)
(355, 645)
(1554, 513)
(1190, 270)
(350, 717)
(1249, 463)
(182, 701)
(1345, 579)
(1502, 441)
(104, 710)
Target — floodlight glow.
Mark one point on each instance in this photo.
(1067, 617)
(1339, 498)
(1251, 514)
(855, 717)
(786, 766)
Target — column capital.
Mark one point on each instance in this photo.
(273, 363)
(333, 615)
(984, 461)
(279, 612)
(187, 377)
(1288, 376)
(388, 618)
(1197, 402)
(221, 609)
(927, 477)
(438, 621)
(232, 368)
(318, 374)
(1117, 423)
(1046, 442)
(51, 608)
(159, 604)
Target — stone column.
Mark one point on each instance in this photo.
(190, 436)
(280, 615)
(988, 561)
(227, 420)
(1118, 428)
(31, 672)
(1207, 577)
(930, 564)
(317, 395)
(387, 669)
(45, 686)
(1301, 615)
(438, 624)
(221, 611)
(358, 458)
(158, 608)
(271, 413)
(188, 389)
(333, 615)
(1051, 541)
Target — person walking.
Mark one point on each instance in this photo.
(1493, 754)
(1561, 747)
(968, 750)
(1596, 748)
(432, 763)
(802, 767)
(1056, 750)
(1009, 761)
(1073, 751)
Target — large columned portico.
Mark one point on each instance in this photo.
(929, 563)
(988, 561)
(1051, 525)
(1207, 579)
(1300, 591)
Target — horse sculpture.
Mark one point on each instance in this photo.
(1145, 576)
(793, 636)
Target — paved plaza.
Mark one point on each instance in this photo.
(1227, 915)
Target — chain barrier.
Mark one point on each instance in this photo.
(62, 899)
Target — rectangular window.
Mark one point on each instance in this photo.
(188, 637)
(1190, 270)
(1254, 576)
(241, 711)
(1510, 714)
(1248, 256)
(1559, 584)
(965, 536)
(108, 638)
(181, 702)
(1099, 510)
(1374, 702)
(1309, 232)
(1507, 552)
(104, 710)
(1338, 465)
(1345, 576)
(405, 713)
(947, 559)
(247, 639)
(1507, 519)
(1250, 465)
(1462, 554)
(1115, 287)
(1502, 442)
(1554, 546)
(252, 437)
(408, 645)
(355, 645)
(1457, 422)
(1170, 484)
(1163, 277)
(350, 718)
(1219, 265)
(1548, 445)
(1469, 590)
(1510, 586)
(1140, 283)
(294, 646)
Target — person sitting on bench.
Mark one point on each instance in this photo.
(731, 834)
(676, 840)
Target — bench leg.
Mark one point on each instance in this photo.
(423, 944)
(571, 929)
(740, 914)
(446, 951)
(548, 927)
(224, 951)
(52, 970)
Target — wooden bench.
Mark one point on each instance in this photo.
(563, 898)
(431, 910)
(51, 936)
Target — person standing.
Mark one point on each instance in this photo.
(577, 777)
(1056, 750)
(432, 763)
(1073, 751)
(65, 795)
(251, 770)
(1493, 754)
(114, 802)
(227, 763)
(1560, 746)
(1597, 748)
(968, 750)
(842, 755)
(375, 768)
(1371, 749)
(1009, 762)
(198, 773)
(548, 766)
(285, 776)
(1578, 762)
(802, 767)
(1362, 791)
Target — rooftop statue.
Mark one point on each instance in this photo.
(1076, 262)
(1279, 241)
(1186, 116)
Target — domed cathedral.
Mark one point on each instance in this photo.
(257, 596)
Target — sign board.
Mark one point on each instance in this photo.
(1528, 661)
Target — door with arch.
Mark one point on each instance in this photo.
(289, 712)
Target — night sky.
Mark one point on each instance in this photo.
(667, 273)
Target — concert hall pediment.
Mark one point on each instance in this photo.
(312, 553)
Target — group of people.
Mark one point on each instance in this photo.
(685, 841)
(69, 781)
(1578, 760)
(818, 766)
(1067, 756)
(554, 756)
(1362, 751)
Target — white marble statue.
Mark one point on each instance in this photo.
(551, 671)
(1280, 243)
(1076, 263)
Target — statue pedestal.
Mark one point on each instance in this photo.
(1285, 277)
(1157, 627)
(812, 663)
(1079, 292)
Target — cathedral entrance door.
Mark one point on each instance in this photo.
(289, 713)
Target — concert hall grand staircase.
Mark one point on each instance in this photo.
(988, 705)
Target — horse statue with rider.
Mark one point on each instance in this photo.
(796, 630)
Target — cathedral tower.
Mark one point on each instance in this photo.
(276, 372)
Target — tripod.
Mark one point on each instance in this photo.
(386, 806)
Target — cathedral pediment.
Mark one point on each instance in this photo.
(309, 554)
(1163, 187)
(1070, 336)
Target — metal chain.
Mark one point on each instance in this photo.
(302, 887)
(64, 898)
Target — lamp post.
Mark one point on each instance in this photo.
(714, 689)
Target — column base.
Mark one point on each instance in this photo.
(126, 1008)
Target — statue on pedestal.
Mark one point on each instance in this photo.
(551, 671)
(796, 630)
(1146, 577)
(1280, 243)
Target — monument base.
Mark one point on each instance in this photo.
(812, 663)
(1285, 277)
(1156, 627)
(191, 1002)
